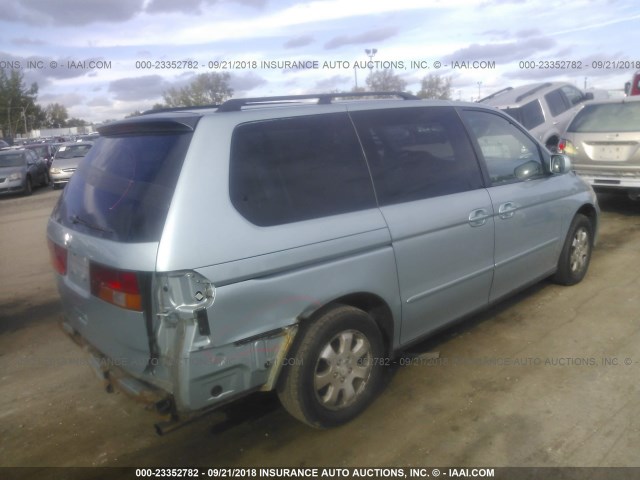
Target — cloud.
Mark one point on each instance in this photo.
(23, 41)
(100, 102)
(298, 42)
(376, 35)
(67, 99)
(193, 7)
(337, 82)
(245, 82)
(503, 52)
(75, 12)
(148, 87)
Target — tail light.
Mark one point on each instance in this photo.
(117, 287)
(58, 256)
(566, 147)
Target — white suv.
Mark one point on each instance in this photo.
(545, 109)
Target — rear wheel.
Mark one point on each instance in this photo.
(634, 195)
(576, 252)
(335, 368)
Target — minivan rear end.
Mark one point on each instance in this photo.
(103, 238)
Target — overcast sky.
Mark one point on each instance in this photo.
(593, 34)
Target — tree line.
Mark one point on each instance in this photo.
(19, 112)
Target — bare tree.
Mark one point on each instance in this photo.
(385, 81)
(435, 86)
(206, 89)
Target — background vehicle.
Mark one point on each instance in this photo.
(21, 170)
(633, 87)
(66, 160)
(603, 142)
(43, 150)
(544, 109)
(305, 247)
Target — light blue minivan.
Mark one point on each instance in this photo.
(300, 243)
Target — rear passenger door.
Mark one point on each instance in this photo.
(528, 220)
(429, 188)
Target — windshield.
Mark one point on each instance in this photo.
(123, 188)
(14, 160)
(72, 151)
(607, 117)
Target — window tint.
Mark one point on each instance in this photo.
(509, 154)
(573, 94)
(123, 188)
(529, 115)
(299, 168)
(557, 102)
(417, 153)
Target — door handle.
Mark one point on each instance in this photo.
(478, 217)
(506, 210)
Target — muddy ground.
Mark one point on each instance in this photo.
(548, 378)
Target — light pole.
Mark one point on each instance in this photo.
(371, 52)
(479, 85)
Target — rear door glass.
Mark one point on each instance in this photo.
(123, 188)
(417, 153)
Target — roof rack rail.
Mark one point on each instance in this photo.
(495, 94)
(178, 109)
(236, 104)
(532, 91)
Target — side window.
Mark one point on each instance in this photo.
(557, 102)
(417, 153)
(532, 115)
(573, 95)
(298, 168)
(509, 154)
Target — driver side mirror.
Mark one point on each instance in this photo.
(559, 163)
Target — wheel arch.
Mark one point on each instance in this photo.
(372, 304)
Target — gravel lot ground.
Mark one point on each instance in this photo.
(548, 378)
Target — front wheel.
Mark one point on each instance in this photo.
(576, 252)
(335, 368)
(28, 187)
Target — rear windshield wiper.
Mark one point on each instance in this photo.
(75, 219)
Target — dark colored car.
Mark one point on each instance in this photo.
(20, 171)
(43, 150)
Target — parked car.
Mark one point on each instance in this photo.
(20, 171)
(633, 87)
(545, 109)
(43, 150)
(603, 142)
(66, 160)
(3, 144)
(202, 254)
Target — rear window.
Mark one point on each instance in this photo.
(123, 188)
(73, 151)
(608, 117)
(529, 115)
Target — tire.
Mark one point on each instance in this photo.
(28, 187)
(335, 368)
(576, 252)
